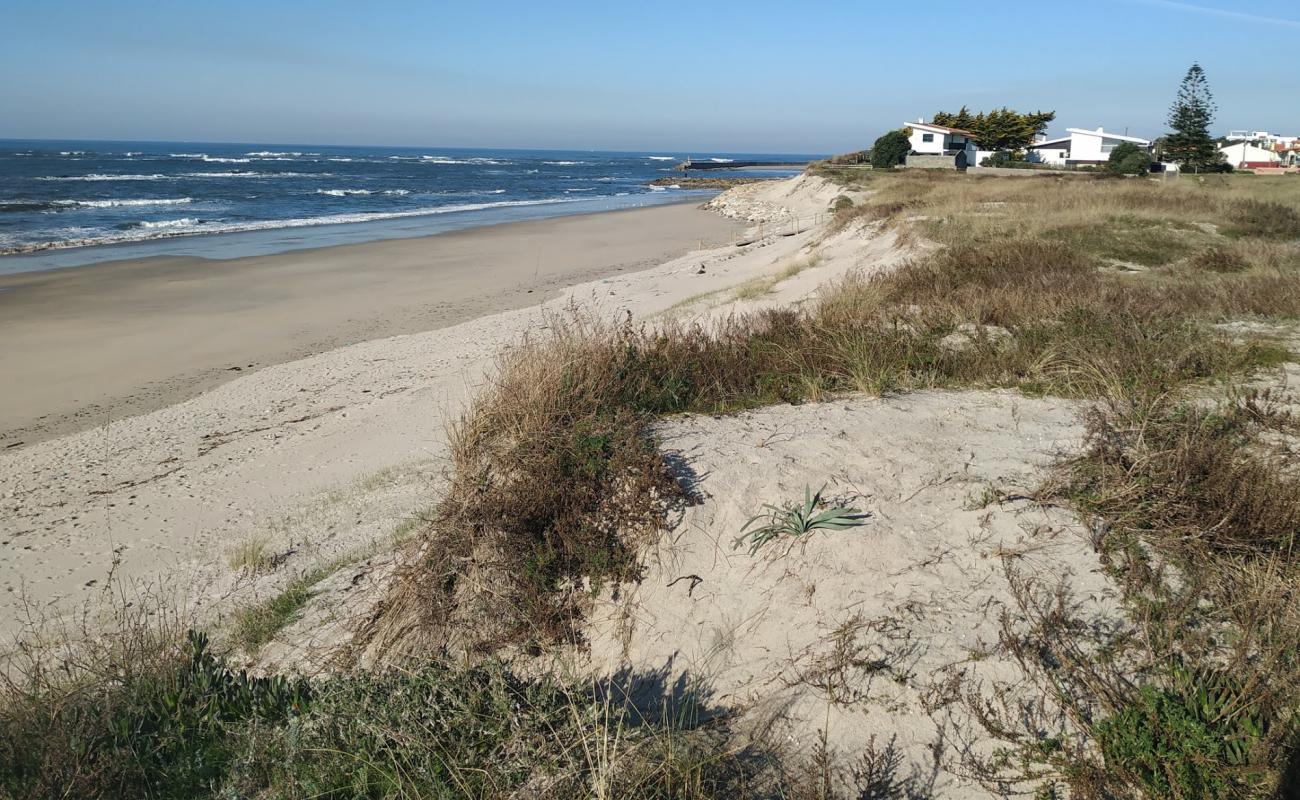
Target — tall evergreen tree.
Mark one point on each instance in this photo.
(1190, 144)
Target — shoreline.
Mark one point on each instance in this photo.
(95, 343)
(265, 239)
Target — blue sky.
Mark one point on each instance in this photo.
(740, 76)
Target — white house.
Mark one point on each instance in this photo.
(1244, 155)
(1263, 138)
(1094, 147)
(1054, 152)
(938, 140)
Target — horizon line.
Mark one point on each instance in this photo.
(251, 143)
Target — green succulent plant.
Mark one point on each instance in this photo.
(796, 519)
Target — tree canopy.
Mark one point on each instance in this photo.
(1190, 144)
(999, 129)
(890, 150)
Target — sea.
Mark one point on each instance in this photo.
(72, 203)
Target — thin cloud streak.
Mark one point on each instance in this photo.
(1223, 12)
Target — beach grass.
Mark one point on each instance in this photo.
(555, 471)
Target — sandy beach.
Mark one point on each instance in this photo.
(80, 347)
(321, 457)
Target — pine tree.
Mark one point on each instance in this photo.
(999, 129)
(1190, 144)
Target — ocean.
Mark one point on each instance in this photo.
(74, 203)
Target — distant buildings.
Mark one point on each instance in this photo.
(1244, 155)
(1081, 147)
(1262, 138)
(941, 147)
(1261, 151)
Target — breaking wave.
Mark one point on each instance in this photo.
(61, 205)
(142, 231)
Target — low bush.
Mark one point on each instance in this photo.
(1218, 259)
(998, 159)
(1190, 741)
(166, 721)
(1129, 159)
(171, 721)
(1262, 219)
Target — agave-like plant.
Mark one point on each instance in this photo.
(796, 519)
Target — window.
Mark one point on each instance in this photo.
(927, 137)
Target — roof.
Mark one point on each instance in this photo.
(1051, 142)
(943, 128)
(1109, 135)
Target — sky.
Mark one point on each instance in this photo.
(808, 77)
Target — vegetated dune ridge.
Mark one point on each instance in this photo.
(320, 460)
(865, 639)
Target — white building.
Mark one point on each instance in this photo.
(937, 140)
(1054, 152)
(1262, 138)
(1244, 155)
(1094, 147)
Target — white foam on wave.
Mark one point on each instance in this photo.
(215, 160)
(99, 177)
(661, 158)
(657, 189)
(588, 189)
(176, 201)
(275, 154)
(168, 224)
(188, 155)
(362, 192)
(251, 174)
(136, 153)
(722, 160)
(564, 163)
(188, 226)
(446, 160)
(57, 204)
(72, 153)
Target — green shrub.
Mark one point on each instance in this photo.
(1262, 219)
(1129, 159)
(890, 150)
(169, 727)
(999, 159)
(1191, 741)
